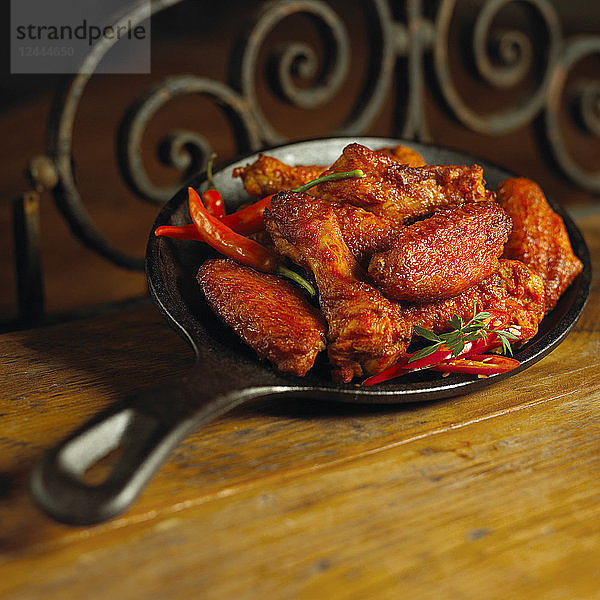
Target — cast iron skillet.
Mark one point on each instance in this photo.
(227, 373)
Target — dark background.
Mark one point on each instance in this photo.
(198, 37)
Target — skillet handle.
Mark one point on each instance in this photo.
(142, 431)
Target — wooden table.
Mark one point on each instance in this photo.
(490, 495)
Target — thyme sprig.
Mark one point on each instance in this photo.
(461, 334)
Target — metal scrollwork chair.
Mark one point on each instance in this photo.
(516, 46)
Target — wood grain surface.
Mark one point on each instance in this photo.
(491, 495)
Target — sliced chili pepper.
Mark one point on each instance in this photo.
(481, 345)
(392, 372)
(479, 364)
(226, 241)
(404, 365)
(441, 356)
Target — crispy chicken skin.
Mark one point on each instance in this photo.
(366, 331)
(268, 313)
(363, 232)
(268, 175)
(539, 238)
(442, 256)
(513, 289)
(400, 192)
(404, 154)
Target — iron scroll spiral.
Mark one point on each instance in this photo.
(60, 137)
(299, 59)
(308, 80)
(291, 57)
(514, 56)
(587, 96)
(186, 150)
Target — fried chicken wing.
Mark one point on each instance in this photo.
(268, 313)
(514, 289)
(268, 175)
(442, 256)
(400, 192)
(539, 238)
(408, 244)
(403, 154)
(363, 232)
(366, 331)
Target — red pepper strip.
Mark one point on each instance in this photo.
(403, 366)
(244, 221)
(441, 356)
(226, 241)
(183, 232)
(479, 364)
(393, 372)
(214, 202)
(250, 218)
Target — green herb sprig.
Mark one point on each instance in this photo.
(461, 334)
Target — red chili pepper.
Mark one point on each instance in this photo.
(244, 221)
(214, 202)
(229, 243)
(250, 218)
(226, 241)
(479, 364)
(440, 357)
(392, 372)
(212, 198)
(179, 232)
(404, 365)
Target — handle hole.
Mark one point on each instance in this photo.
(98, 472)
(89, 455)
